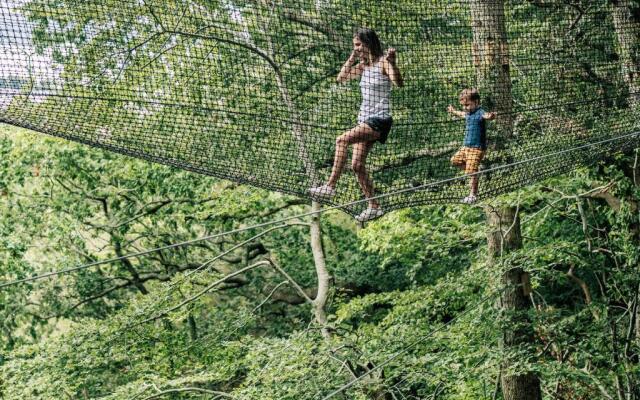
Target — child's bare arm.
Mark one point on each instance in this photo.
(489, 116)
(452, 110)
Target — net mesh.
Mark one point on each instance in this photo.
(247, 90)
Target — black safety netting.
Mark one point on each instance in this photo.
(247, 90)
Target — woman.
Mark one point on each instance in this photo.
(377, 71)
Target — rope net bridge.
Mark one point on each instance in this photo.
(247, 90)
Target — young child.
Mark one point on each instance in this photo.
(474, 146)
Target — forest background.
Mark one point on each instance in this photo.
(411, 306)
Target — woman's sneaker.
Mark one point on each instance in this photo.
(369, 214)
(469, 199)
(324, 192)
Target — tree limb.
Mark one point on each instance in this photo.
(248, 46)
(613, 202)
(204, 291)
(293, 282)
(190, 389)
(583, 285)
(410, 157)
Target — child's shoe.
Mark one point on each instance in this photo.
(470, 199)
(370, 214)
(324, 192)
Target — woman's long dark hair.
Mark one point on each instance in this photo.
(369, 38)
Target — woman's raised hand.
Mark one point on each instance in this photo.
(353, 57)
(391, 56)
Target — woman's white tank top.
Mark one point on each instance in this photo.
(376, 92)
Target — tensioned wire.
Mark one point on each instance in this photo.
(236, 246)
(405, 349)
(131, 325)
(318, 212)
(172, 287)
(209, 288)
(415, 343)
(166, 311)
(412, 344)
(128, 327)
(133, 84)
(423, 338)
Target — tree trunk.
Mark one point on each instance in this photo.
(193, 328)
(627, 31)
(637, 327)
(628, 35)
(491, 59)
(315, 233)
(322, 273)
(503, 236)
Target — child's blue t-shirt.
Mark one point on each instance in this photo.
(476, 133)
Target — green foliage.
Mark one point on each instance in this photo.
(412, 287)
(414, 290)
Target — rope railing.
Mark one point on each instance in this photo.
(258, 93)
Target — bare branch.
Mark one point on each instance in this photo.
(583, 285)
(410, 157)
(190, 389)
(293, 282)
(92, 298)
(248, 46)
(154, 16)
(251, 239)
(327, 31)
(585, 224)
(80, 191)
(205, 291)
(613, 202)
(155, 207)
(273, 291)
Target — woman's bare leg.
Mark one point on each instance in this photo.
(361, 133)
(358, 163)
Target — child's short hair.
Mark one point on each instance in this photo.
(470, 94)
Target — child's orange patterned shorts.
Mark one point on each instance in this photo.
(470, 157)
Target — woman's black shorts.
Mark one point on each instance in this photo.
(380, 125)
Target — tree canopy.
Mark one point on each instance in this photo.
(407, 307)
(246, 91)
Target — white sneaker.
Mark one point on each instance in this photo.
(369, 214)
(470, 199)
(324, 192)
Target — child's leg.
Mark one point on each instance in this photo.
(474, 185)
(473, 163)
(358, 163)
(361, 133)
(458, 160)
